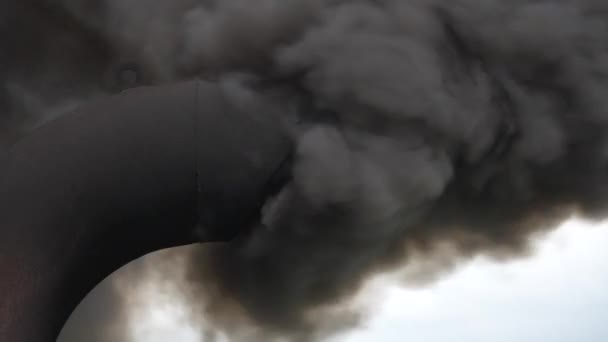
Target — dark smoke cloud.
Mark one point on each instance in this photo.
(425, 123)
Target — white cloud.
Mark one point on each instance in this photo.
(159, 318)
(558, 295)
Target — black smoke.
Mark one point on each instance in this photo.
(424, 123)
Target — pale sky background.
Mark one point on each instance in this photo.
(558, 295)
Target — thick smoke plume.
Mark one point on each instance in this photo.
(469, 124)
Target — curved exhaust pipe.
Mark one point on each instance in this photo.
(148, 169)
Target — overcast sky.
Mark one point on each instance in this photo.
(558, 295)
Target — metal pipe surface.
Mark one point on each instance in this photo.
(148, 169)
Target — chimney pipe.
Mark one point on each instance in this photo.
(150, 168)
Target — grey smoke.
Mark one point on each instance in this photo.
(425, 123)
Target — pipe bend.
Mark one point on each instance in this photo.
(121, 177)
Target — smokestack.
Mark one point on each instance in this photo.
(421, 123)
(148, 169)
